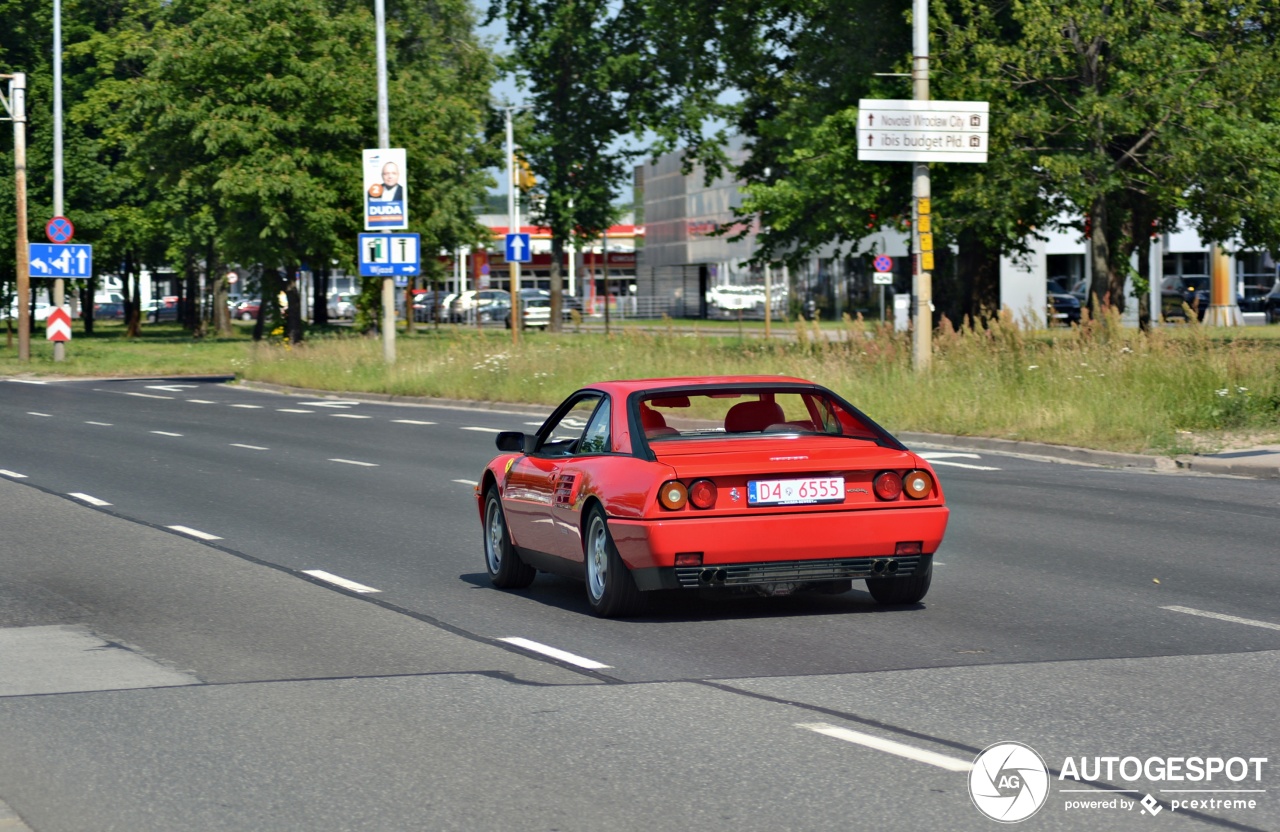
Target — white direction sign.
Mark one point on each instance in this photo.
(922, 131)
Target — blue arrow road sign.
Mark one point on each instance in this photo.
(389, 255)
(518, 248)
(58, 260)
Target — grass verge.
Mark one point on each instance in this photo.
(1098, 385)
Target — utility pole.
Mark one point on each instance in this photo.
(513, 227)
(384, 143)
(922, 279)
(16, 106)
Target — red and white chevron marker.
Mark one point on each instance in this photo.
(58, 327)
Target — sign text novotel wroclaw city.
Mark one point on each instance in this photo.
(922, 131)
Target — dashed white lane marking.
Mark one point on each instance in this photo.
(45, 415)
(171, 388)
(201, 401)
(12, 474)
(467, 482)
(248, 406)
(589, 664)
(1221, 617)
(93, 501)
(411, 422)
(899, 749)
(328, 404)
(932, 455)
(25, 381)
(355, 462)
(486, 430)
(147, 395)
(165, 433)
(249, 447)
(535, 424)
(292, 410)
(342, 582)
(100, 424)
(195, 532)
(349, 416)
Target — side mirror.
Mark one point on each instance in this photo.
(514, 440)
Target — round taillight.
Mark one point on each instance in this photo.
(673, 495)
(703, 494)
(917, 484)
(887, 485)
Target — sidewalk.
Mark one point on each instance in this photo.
(1262, 462)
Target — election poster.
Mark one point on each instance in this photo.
(386, 190)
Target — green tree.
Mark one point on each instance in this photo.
(582, 72)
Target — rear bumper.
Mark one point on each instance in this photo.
(780, 572)
(774, 548)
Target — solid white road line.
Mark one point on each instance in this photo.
(248, 406)
(349, 416)
(1220, 617)
(484, 430)
(899, 749)
(342, 582)
(249, 447)
(471, 483)
(93, 501)
(165, 433)
(195, 532)
(292, 410)
(45, 415)
(147, 395)
(356, 462)
(963, 465)
(12, 474)
(589, 664)
(100, 424)
(411, 422)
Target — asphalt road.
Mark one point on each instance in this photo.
(168, 662)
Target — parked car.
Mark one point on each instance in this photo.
(471, 301)
(108, 311)
(535, 311)
(164, 309)
(1064, 307)
(1271, 304)
(431, 305)
(341, 306)
(757, 484)
(247, 310)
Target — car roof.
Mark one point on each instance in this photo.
(625, 387)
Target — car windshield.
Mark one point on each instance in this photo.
(742, 412)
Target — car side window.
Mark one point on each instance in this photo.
(596, 438)
(563, 437)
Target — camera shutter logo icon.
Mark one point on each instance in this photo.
(1009, 782)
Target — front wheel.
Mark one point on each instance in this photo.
(611, 591)
(505, 568)
(906, 590)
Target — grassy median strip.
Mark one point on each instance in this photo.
(1100, 385)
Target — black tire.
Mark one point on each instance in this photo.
(504, 566)
(908, 590)
(611, 591)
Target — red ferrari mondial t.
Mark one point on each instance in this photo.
(760, 483)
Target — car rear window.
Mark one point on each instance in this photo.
(737, 413)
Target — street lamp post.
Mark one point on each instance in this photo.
(922, 279)
(513, 220)
(16, 106)
(384, 143)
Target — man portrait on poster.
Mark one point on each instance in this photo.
(385, 204)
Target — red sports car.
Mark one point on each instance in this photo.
(763, 483)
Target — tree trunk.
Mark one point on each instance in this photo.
(557, 284)
(978, 292)
(293, 315)
(86, 304)
(320, 313)
(1105, 291)
(132, 297)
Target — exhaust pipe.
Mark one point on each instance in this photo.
(892, 568)
(712, 576)
(877, 568)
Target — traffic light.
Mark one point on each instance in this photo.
(525, 180)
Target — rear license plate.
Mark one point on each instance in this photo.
(795, 492)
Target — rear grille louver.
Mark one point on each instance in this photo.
(748, 574)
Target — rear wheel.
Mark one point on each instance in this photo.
(506, 570)
(907, 590)
(611, 591)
